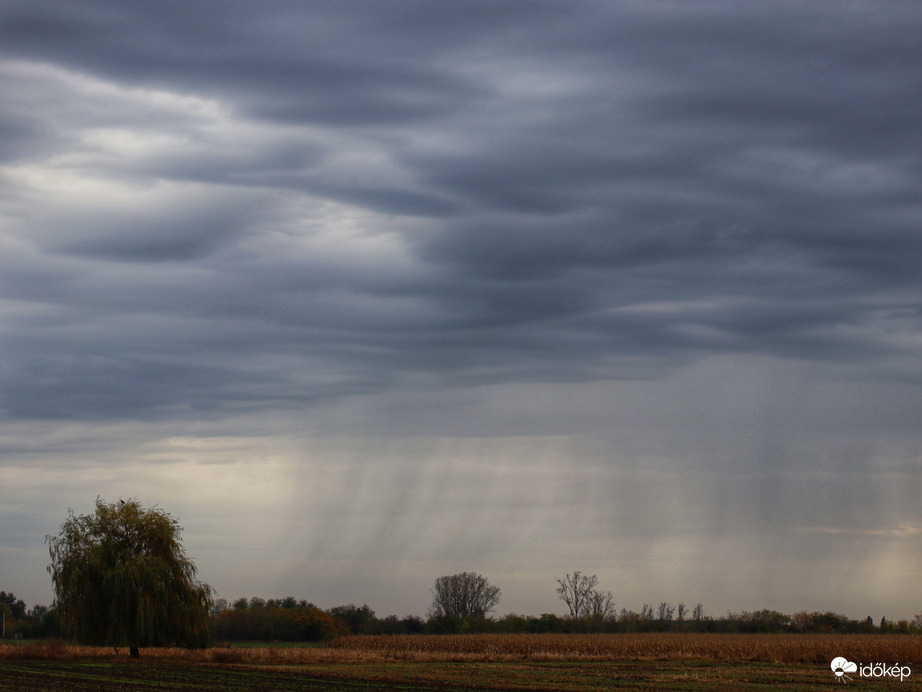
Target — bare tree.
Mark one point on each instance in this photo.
(601, 604)
(463, 595)
(698, 612)
(683, 612)
(665, 612)
(576, 591)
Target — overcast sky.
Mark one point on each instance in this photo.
(367, 293)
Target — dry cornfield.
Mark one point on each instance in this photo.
(782, 648)
(787, 648)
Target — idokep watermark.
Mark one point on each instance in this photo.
(842, 667)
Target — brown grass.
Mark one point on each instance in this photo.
(781, 648)
(50, 648)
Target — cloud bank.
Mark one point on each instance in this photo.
(367, 294)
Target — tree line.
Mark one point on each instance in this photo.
(291, 620)
(121, 578)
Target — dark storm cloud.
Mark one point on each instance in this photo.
(273, 203)
(331, 62)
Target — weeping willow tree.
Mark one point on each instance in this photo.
(122, 578)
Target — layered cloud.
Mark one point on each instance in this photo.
(468, 221)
